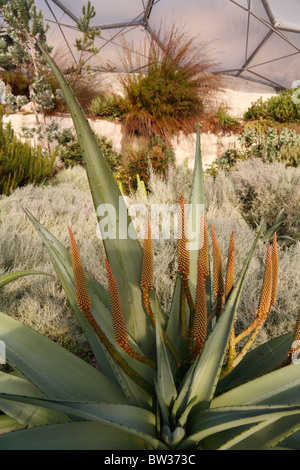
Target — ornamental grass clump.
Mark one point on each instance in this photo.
(162, 384)
(171, 89)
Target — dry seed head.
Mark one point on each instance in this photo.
(82, 295)
(118, 320)
(147, 269)
(265, 297)
(204, 250)
(183, 252)
(230, 267)
(218, 280)
(200, 321)
(274, 270)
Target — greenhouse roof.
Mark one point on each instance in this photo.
(253, 39)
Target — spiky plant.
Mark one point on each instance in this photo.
(179, 383)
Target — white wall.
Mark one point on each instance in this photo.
(236, 94)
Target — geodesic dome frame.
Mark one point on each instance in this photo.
(254, 39)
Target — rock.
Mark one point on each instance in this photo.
(28, 108)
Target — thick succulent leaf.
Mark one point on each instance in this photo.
(62, 263)
(260, 361)
(202, 378)
(173, 324)
(165, 381)
(210, 422)
(292, 442)
(53, 369)
(124, 252)
(71, 436)
(136, 421)
(8, 424)
(6, 278)
(279, 387)
(266, 435)
(27, 415)
(197, 198)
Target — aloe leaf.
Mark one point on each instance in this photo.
(71, 436)
(25, 414)
(210, 422)
(197, 200)
(6, 278)
(202, 378)
(260, 361)
(8, 424)
(265, 436)
(165, 381)
(52, 369)
(281, 386)
(136, 421)
(124, 255)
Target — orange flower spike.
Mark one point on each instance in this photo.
(230, 267)
(204, 250)
(147, 269)
(183, 252)
(200, 321)
(118, 320)
(274, 270)
(266, 292)
(82, 295)
(218, 282)
(119, 325)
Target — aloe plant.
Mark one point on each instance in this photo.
(181, 383)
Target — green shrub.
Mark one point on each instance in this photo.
(21, 164)
(290, 154)
(270, 145)
(71, 154)
(278, 108)
(226, 121)
(106, 106)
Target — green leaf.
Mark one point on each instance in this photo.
(71, 436)
(27, 415)
(202, 378)
(266, 435)
(258, 362)
(6, 278)
(281, 386)
(8, 424)
(124, 255)
(53, 369)
(136, 421)
(165, 381)
(210, 422)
